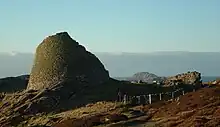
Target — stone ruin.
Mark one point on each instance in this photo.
(62, 73)
(59, 58)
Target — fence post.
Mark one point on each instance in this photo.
(139, 99)
(149, 98)
(125, 99)
(145, 99)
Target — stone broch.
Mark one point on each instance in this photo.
(60, 58)
(64, 76)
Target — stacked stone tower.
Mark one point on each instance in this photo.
(59, 58)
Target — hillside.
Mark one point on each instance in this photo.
(199, 108)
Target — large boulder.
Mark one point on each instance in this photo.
(60, 58)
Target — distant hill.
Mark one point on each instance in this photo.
(143, 77)
(127, 64)
(147, 77)
(13, 84)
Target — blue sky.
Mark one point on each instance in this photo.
(113, 25)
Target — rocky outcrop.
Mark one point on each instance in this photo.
(212, 83)
(60, 58)
(189, 78)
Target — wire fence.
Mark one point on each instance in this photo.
(150, 98)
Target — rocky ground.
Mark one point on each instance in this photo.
(191, 78)
(194, 109)
(200, 108)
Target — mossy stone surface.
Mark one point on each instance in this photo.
(59, 58)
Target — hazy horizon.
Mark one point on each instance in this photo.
(126, 64)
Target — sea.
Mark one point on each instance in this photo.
(209, 78)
